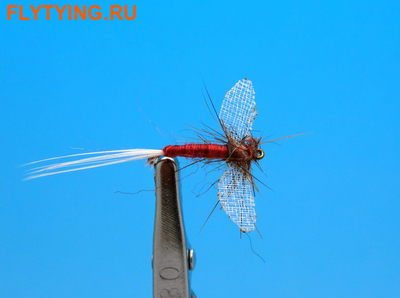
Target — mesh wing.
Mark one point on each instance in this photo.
(235, 194)
(239, 109)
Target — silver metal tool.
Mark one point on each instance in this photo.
(172, 257)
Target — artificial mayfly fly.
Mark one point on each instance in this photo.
(235, 147)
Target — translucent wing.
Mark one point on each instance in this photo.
(236, 197)
(239, 109)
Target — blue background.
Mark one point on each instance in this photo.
(331, 226)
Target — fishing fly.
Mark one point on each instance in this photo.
(236, 148)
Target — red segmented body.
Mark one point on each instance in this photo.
(209, 151)
(234, 151)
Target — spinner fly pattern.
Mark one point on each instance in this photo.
(235, 146)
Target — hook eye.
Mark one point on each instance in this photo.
(260, 154)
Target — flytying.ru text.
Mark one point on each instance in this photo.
(72, 12)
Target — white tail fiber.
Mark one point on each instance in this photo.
(105, 159)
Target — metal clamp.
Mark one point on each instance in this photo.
(172, 259)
